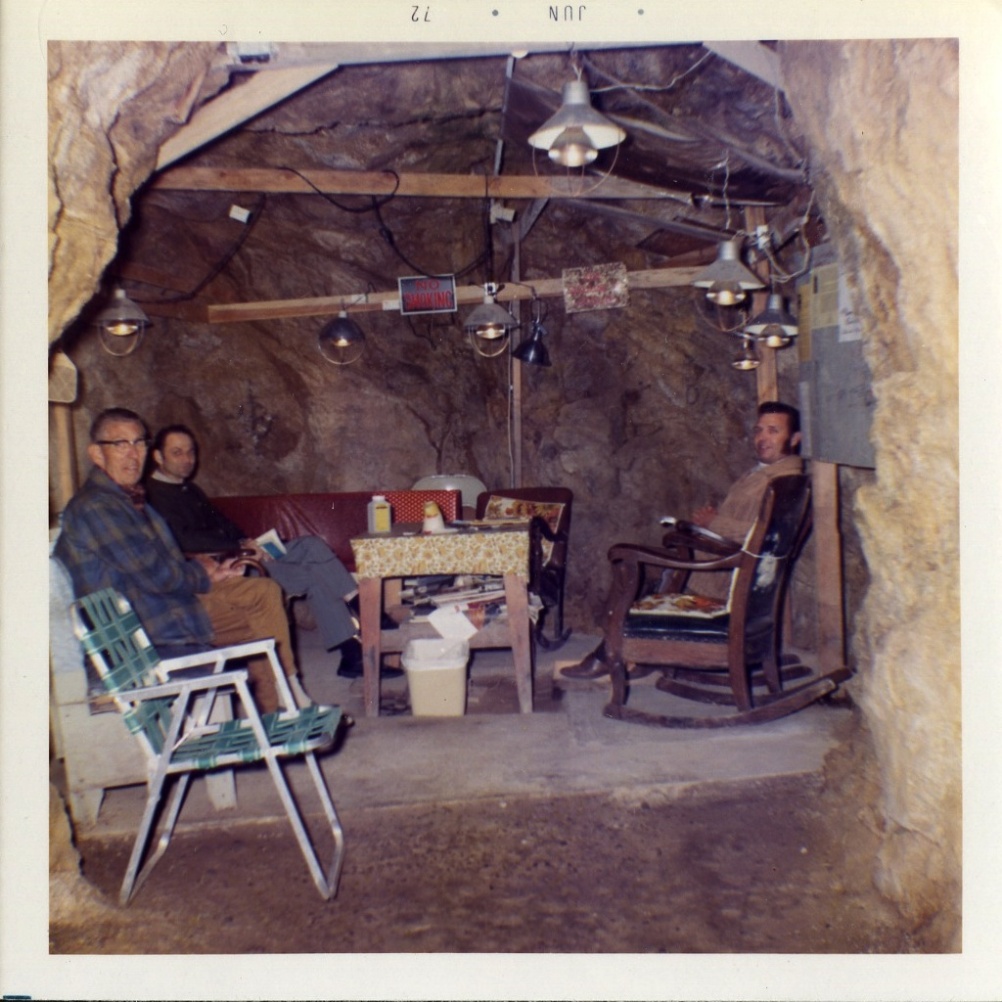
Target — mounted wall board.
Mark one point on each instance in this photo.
(836, 398)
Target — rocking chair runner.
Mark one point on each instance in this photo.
(171, 721)
(714, 652)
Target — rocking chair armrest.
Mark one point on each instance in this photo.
(656, 557)
(695, 536)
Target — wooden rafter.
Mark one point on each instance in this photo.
(753, 58)
(374, 302)
(347, 182)
(235, 106)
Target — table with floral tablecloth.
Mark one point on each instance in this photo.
(406, 551)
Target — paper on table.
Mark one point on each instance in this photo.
(451, 623)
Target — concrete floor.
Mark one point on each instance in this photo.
(566, 747)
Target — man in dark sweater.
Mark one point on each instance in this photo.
(308, 567)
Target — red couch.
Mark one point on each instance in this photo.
(334, 517)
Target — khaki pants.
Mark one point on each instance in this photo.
(243, 609)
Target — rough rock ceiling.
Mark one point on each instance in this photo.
(705, 137)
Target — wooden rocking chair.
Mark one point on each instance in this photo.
(726, 653)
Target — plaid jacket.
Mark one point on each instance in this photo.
(105, 542)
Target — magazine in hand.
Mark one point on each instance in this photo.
(271, 544)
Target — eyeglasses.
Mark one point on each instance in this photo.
(123, 444)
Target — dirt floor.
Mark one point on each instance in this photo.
(780, 866)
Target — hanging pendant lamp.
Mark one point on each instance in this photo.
(490, 324)
(573, 136)
(749, 358)
(532, 351)
(121, 324)
(341, 341)
(727, 281)
(774, 326)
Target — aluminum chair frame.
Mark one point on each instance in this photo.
(171, 720)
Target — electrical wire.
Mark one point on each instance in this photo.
(702, 312)
(255, 215)
(375, 206)
(387, 234)
(777, 274)
(350, 208)
(620, 85)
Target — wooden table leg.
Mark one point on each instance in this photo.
(370, 601)
(517, 598)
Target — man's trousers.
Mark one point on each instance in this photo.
(243, 609)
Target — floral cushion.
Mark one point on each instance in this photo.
(678, 605)
(504, 509)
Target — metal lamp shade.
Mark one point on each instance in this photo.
(489, 321)
(727, 280)
(341, 341)
(533, 351)
(576, 113)
(122, 317)
(774, 326)
(748, 359)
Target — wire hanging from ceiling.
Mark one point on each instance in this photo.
(375, 206)
(777, 274)
(229, 255)
(623, 85)
(357, 209)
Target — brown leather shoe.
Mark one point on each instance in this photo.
(592, 666)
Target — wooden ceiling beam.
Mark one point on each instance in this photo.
(374, 302)
(753, 57)
(193, 313)
(237, 105)
(384, 183)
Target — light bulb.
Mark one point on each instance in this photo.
(726, 293)
(573, 148)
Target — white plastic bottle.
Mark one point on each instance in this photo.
(380, 514)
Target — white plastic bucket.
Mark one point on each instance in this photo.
(436, 676)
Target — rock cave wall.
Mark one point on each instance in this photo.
(887, 173)
(635, 397)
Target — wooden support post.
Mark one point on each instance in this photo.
(766, 375)
(828, 566)
(65, 481)
(515, 374)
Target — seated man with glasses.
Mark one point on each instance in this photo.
(111, 538)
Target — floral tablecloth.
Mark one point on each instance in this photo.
(407, 552)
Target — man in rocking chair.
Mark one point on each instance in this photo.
(776, 440)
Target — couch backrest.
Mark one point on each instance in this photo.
(335, 517)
